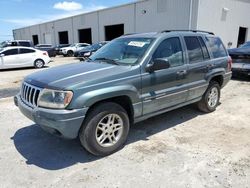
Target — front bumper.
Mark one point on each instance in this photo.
(64, 123)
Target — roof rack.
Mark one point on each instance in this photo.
(194, 31)
(128, 34)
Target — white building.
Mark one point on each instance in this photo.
(229, 19)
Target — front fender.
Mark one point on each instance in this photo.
(91, 97)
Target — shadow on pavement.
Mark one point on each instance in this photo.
(52, 153)
(9, 92)
(47, 151)
(22, 68)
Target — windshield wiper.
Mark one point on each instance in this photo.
(111, 61)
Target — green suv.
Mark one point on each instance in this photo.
(132, 78)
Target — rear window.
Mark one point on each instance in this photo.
(216, 46)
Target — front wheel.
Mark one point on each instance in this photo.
(70, 53)
(211, 98)
(39, 63)
(105, 129)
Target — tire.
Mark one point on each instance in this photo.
(98, 125)
(39, 63)
(70, 53)
(210, 98)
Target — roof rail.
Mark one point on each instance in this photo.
(194, 31)
(128, 34)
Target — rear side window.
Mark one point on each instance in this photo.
(194, 49)
(204, 49)
(27, 44)
(25, 51)
(216, 46)
(10, 52)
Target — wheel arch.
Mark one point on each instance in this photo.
(125, 96)
(217, 78)
(124, 101)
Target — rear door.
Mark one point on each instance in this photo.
(27, 57)
(10, 58)
(165, 88)
(199, 60)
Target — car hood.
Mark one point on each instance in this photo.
(72, 76)
(86, 50)
(239, 51)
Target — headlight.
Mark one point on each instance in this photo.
(87, 54)
(54, 99)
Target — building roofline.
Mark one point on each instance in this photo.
(86, 13)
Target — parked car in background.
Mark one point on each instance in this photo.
(132, 78)
(241, 59)
(58, 48)
(69, 51)
(89, 50)
(48, 48)
(15, 57)
(26, 43)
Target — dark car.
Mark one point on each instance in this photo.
(132, 78)
(241, 59)
(58, 48)
(89, 50)
(48, 48)
(26, 43)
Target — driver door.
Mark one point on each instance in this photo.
(9, 58)
(166, 88)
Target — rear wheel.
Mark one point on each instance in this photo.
(70, 53)
(39, 63)
(105, 129)
(210, 99)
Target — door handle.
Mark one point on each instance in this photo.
(183, 72)
(210, 65)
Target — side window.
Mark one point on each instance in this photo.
(83, 45)
(10, 52)
(27, 44)
(25, 51)
(204, 49)
(194, 49)
(171, 50)
(216, 46)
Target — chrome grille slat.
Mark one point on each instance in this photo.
(29, 94)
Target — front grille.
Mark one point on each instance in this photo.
(30, 94)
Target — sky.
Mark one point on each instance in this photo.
(19, 13)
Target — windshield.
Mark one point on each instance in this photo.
(92, 47)
(3, 44)
(124, 50)
(72, 45)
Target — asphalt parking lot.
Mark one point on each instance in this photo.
(181, 148)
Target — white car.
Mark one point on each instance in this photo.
(69, 51)
(19, 56)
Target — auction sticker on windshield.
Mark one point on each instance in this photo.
(137, 44)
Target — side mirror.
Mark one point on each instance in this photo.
(2, 55)
(158, 64)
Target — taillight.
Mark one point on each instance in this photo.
(45, 53)
(229, 63)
